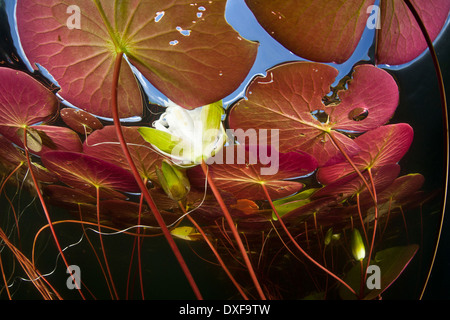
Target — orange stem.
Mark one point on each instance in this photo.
(298, 246)
(44, 207)
(141, 184)
(238, 239)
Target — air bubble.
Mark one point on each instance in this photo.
(183, 32)
(358, 114)
(159, 16)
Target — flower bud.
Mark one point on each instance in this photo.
(358, 249)
(173, 181)
(328, 236)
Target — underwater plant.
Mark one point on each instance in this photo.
(115, 128)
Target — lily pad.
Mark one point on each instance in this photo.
(23, 102)
(400, 38)
(384, 145)
(291, 96)
(88, 173)
(47, 138)
(104, 144)
(322, 31)
(391, 261)
(241, 171)
(186, 50)
(329, 31)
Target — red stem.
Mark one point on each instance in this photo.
(141, 184)
(375, 222)
(219, 259)
(233, 230)
(363, 279)
(338, 146)
(298, 246)
(103, 247)
(44, 207)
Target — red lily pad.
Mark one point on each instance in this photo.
(291, 95)
(382, 146)
(23, 102)
(247, 171)
(400, 38)
(67, 197)
(88, 173)
(329, 31)
(11, 157)
(350, 185)
(80, 121)
(323, 31)
(104, 144)
(402, 188)
(51, 138)
(186, 50)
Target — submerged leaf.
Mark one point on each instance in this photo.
(104, 144)
(80, 121)
(242, 170)
(186, 233)
(87, 173)
(382, 146)
(391, 261)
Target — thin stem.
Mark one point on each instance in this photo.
(4, 278)
(446, 130)
(338, 145)
(141, 184)
(44, 207)
(375, 222)
(299, 247)
(363, 279)
(219, 259)
(139, 246)
(230, 222)
(103, 247)
(361, 218)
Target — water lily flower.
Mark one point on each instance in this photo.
(188, 136)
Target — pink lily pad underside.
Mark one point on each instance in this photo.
(103, 144)
(322, 31)
(330, 30)
(244, 178)
(290, 95)
(53, 138)
(186, 50)
(382, 146)
(87, 173)
(400, 38)
(23, 102)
